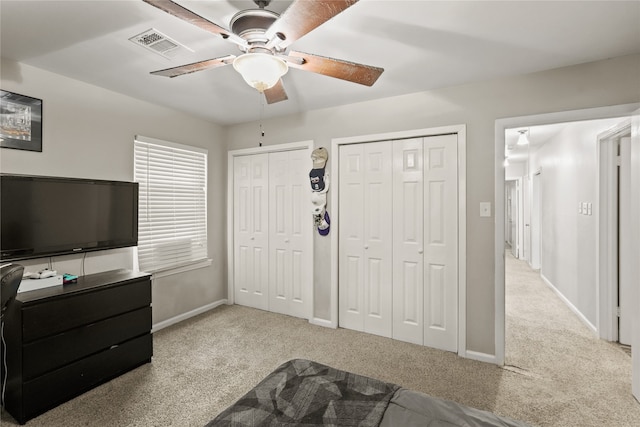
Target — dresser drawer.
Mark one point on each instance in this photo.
(49, 390)
(58, 350)
(59, 315)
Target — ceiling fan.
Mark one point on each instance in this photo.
(264, 37)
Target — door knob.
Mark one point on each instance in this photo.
(286, 240)
(366, 246)
(253, 238)
(420, 250)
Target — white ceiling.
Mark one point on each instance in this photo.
(422, 45)
(543, 134)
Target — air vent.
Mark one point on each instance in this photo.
(159, 43)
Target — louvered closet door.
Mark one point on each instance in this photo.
(289, 231)
(365, 238)
(251, 236)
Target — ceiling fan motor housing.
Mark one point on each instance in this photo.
(252, 24)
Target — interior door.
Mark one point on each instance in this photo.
(441, 242)
(508, 237)
(526, 218)
(351, 240)
(408, 248)
(378, 248)
(513, 218)
(365, 238)
(289, 218)
(398, 242)
(251, 237)
(625, 259)
(535, 221)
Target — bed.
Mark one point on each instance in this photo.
(305, 393)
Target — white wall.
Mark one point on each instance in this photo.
(88, 133)
(569, 177)
(477, 105)
(515, 170)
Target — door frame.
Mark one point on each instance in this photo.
(302, 145)
(461, 131)
(525, 121)
(606, 238)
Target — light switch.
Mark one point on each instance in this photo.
(589, 208)
(580, 207)
(485, 208)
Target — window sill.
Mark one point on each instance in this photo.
(177, 270)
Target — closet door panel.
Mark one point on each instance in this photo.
(250, 230)
(290, 274)
(260, 230)
(351, 239)
(408, 224)
(378, 238)
(441, 242)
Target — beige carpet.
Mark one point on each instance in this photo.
(561, 374)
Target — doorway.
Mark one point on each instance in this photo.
(527, 121)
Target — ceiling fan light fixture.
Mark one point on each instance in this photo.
(260, 70)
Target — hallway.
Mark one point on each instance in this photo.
(547, 342)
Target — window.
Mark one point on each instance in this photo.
(172, 214)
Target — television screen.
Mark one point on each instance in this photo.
(44, 216)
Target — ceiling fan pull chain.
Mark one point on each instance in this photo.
(261, 115)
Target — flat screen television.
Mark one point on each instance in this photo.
(46, 216)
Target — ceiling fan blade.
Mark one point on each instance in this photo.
(196, 66)
(276, 93)
(302, 17)
(345, 70)
(185, 14)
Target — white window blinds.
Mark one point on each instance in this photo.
(172, 213)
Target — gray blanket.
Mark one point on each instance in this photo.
(305, 393)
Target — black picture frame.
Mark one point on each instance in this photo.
(20, 121)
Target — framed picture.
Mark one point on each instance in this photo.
(20, 121)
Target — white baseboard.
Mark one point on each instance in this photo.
(569, 304)
(184, 316)
(481, 357)
(323, 322)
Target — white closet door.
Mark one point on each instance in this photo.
(378, 237)
(289, 231)
(408, 220)
(441, 242)
(366, 238)
(251, 175)
(351, 240)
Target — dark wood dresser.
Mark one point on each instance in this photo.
(65, 340)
